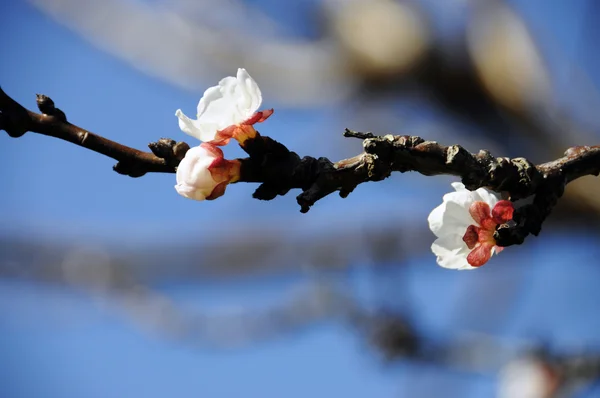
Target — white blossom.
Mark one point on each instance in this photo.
(225, 109)
(464, 225)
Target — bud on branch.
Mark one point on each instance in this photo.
(230, 110)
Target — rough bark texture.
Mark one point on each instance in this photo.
(277, 169)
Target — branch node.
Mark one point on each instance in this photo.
(484, 156)
(46, 106)
(457, 156)
(409, 141)
(518, 175)
(529, 218)
(169, 150)
(179, 151)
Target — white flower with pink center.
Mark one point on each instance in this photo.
(204, 173)
(227, 110)
(464, 224)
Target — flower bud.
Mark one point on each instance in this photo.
(204, 173)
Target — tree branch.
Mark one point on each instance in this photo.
(16, 121)
(278, 169)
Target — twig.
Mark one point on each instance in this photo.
(16, 121)
(278, 169)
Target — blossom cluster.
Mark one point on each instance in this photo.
(225, 111)
(464, 223)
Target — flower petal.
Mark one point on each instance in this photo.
(489, 197)
(461, 198)
(483, 194)
(187, 125)
(480, 211)
(436, 218)
(252, 94)
(448, 219)
(219, 170)
(480, 255)
(202, 131)
(450, 259)
(457, 216)
(449, 255)
(193, 168)
(259, 117)
(471, 237)
(194, 179)
(221, 110)
(264, 115)
(213, 94)
(190, 192)
(218, 191)
(212, 150)
(458, 186)
(503, 211)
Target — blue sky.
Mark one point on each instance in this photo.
(56, 187)
(59, 343)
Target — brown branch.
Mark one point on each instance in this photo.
(16, 121)
(278, 170)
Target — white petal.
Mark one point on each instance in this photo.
(194, 180)
(436, 217)
(458, 186)
(251, 90)
(490, 197)
(219, 108)
(188, 191)
(481, 194)
(451, 217)
(233, 101)
(450, 254)
(452, 243)
(187, 125)
(457, 217)
(463, 198)
(212, 94)
(203, 131)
